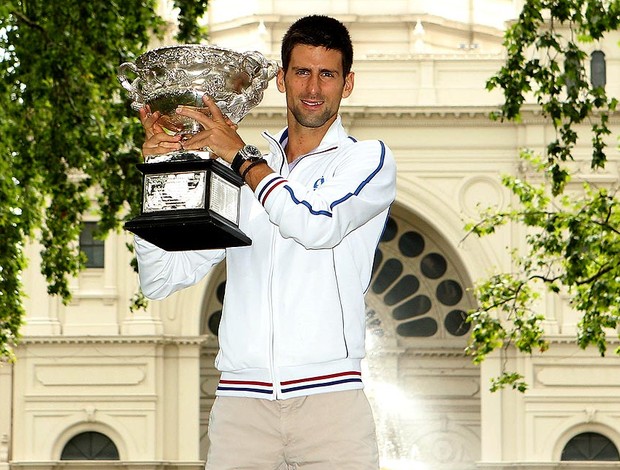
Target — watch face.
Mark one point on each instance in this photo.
(251, 152)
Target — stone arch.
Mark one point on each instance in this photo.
(447, 216)
(601, 426)
(420, 288)
(74, 429)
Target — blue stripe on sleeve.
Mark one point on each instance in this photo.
(363, 183)
(306, 203)
(347, 196)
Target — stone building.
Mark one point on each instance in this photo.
(98, 386)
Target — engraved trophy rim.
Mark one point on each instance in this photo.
(160, 52)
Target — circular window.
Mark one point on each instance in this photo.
(456, 323)
(411, 244)
(449, 292)
(433, 265)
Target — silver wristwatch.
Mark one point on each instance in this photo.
(247, 153)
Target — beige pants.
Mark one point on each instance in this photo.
(319, 432)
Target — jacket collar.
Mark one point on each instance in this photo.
(332, 139)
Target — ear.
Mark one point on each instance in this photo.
(280, 80)
(348, 84)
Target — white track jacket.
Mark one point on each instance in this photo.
(293, 321)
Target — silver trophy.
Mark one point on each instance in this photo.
(190, 200)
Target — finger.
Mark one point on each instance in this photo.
(161, 143)
(149, 122)
(197, 114)
(230, 124)
(162, 138)
(216, 112)
(160, 149)
(144, 112)
(197, 141)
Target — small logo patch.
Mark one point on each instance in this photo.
(319, 182)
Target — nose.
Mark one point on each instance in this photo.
(313, 84)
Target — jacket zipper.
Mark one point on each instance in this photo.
(275, 380)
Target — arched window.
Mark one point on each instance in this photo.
(417, 283)
(590, 446)
(90, 445)
(598, 69)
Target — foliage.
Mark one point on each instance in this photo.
(573, 248)
(190, 13)
(572, 237)
(547, 59)
(68, 134)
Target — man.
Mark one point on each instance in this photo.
(292, 330)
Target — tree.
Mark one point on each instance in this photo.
(573, 238)
(67, 131)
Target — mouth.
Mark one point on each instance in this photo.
(312, 103)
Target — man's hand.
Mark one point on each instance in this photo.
(157, 141)
(219, 133)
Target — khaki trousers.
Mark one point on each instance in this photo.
(318, 432)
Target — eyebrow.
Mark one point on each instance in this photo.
(322, 70)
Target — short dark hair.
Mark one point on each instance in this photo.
(318, 30)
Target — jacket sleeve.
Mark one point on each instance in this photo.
(163, 272)
(362, 186)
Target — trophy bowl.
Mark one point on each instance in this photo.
(190, 200)
(168, 77)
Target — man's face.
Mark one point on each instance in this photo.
(314, 85)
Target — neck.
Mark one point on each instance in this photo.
(302, 140)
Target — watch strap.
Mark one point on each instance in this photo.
(237, 162)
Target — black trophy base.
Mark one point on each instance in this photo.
(183, 231)
(203, 221)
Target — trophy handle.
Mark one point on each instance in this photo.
(267, 69)
(264, 70)
(132, 87)
(122, 76)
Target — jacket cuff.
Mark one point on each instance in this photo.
(266, 186)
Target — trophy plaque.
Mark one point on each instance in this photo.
(190, 200)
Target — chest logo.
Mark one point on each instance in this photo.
(318, 183)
